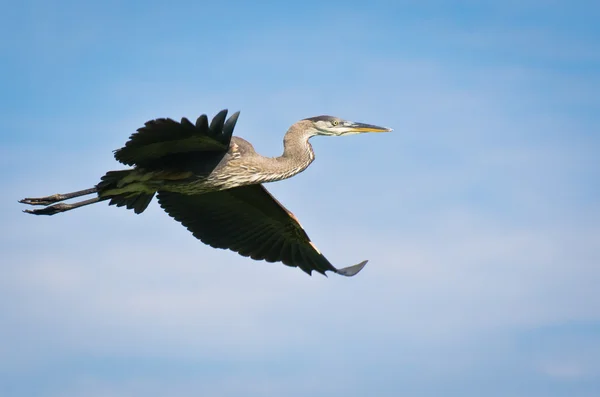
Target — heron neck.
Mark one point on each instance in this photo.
(297, 151)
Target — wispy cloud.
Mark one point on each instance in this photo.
(478, 213)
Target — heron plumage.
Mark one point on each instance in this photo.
(211, 182)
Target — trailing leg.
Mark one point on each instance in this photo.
(62, 207)
(55, 198)
(124, 188)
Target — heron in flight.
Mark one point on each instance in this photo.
(211, 182)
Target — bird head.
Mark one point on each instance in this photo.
(334, 126)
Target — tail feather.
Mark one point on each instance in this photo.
(112, 187)
(112, 179)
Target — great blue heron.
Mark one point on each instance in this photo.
(211, 183)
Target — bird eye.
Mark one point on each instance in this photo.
(334, 122)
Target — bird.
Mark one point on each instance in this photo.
(212, 183)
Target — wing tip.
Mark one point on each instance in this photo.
(351, 270)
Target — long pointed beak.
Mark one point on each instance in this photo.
(361, 127)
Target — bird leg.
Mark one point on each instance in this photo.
(61, 207)
(57, 197)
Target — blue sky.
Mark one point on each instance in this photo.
(480, 213)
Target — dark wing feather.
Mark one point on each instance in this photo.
(250, 221)
(162, 138)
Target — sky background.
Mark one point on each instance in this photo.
(480, 213)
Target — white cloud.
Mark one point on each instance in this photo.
(562, 370)
(476, 230)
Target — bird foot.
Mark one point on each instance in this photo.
(51, 210)
(42, 200)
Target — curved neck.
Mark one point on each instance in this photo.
(297, 151)
(297, 155)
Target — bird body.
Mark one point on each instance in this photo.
(239, 166)
(211, 182)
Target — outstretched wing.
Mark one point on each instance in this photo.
(162, 138)
(250, 221)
